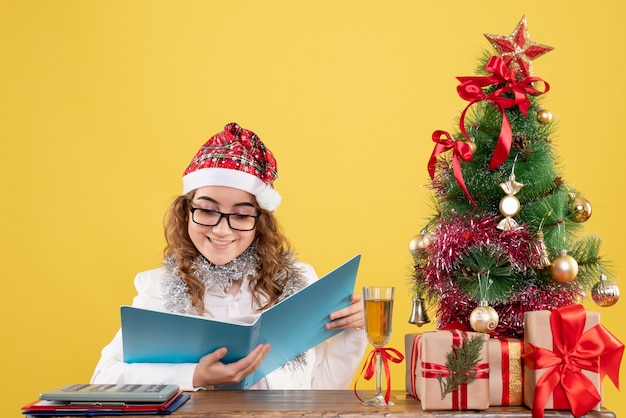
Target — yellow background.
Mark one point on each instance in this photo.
(105, 102)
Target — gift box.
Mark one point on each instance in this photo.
(567, 353)
(434, 374)
(506, 372)
(410, 354)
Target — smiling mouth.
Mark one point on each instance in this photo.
(218, 242)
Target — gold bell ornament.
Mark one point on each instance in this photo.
(544, 260)
(418, 316)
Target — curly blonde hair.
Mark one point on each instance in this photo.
(273, 249)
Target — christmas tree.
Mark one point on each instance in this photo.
(506, 233)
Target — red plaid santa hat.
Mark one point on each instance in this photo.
(236, 158)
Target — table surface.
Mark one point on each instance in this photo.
(330, 403)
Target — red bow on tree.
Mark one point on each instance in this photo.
(471, 89)
(460, 150)
(573, 350)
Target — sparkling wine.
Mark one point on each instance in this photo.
(378, 321)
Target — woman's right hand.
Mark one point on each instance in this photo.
(210, 371)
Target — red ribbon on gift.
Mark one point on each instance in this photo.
(413, 364)
(505, 361)
(459, 396)
(471, 89)
(432, 370)
(596, 350)
(386, 354)
(461, 150)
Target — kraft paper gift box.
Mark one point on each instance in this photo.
(506, 372)
(410, 355)
(567, 353)
(432, 350)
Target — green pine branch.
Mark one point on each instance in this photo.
(461, 363)
(484, 258)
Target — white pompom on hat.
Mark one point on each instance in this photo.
(237, 158)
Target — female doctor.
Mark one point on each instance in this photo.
(227, 257)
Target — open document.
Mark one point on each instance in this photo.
(291, 327)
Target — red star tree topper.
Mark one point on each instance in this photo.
(517, 50)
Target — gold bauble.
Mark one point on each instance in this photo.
(509, 206)
(484, 319)
(418, 243)
(605, 293)
(564, 268)
(544, 116)
(580, 209)
(472, 145)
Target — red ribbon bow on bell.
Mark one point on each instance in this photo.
(471, 89)
(596, 350)
(461, 150)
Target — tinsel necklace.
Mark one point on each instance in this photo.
(175, 290)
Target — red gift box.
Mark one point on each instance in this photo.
(506, 371)
(428, 357)
(567, 353)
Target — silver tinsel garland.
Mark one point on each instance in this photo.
(175, 290)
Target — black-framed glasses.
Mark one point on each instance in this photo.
(236, 221)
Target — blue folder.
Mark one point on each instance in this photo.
(291, 327)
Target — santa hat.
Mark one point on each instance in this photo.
(237, 158)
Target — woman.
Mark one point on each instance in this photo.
(226, 257)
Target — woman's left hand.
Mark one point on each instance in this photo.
(349, 317)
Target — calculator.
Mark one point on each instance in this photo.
(111, 393)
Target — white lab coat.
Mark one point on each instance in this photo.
(330, 365)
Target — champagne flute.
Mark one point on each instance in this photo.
(378, 302)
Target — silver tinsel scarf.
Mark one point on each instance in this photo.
(177, 299)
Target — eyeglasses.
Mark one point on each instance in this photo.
(236, 221)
